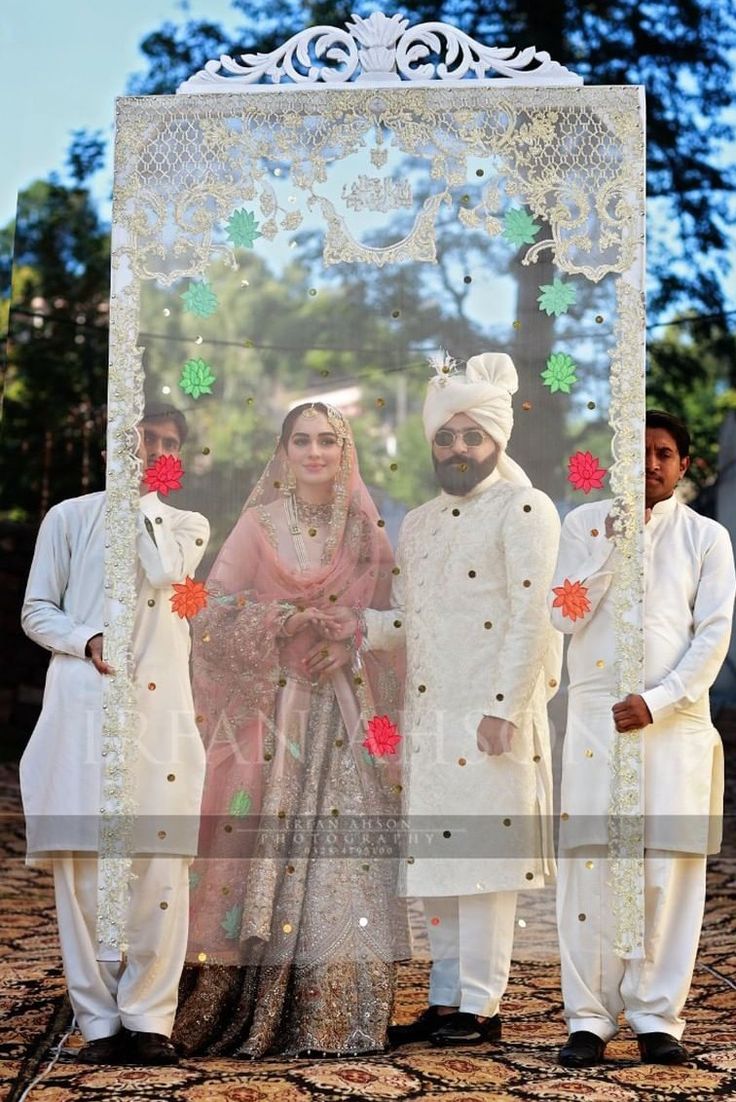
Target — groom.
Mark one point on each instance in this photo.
(469, 604)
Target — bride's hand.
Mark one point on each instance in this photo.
(324, 658)
(298, 621)
(338, 623)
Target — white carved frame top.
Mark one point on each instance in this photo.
(380, 50)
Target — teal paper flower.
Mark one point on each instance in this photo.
(196, 378)
(519, 227)
(239, 803)
(559, 373)
(232, 921)
(556, 297)
(194, 879)
(200, 299)
(242, 229)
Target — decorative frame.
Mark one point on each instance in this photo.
(373, 62)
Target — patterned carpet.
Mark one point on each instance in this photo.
(35, 1014)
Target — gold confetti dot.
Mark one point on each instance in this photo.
(267, 756)
(282, 682)
(410, 860)
(206, 638)
(151, 602)
(467, 279)
(465, 199)
(151, 685)
(226, 890)
(552, 682)
(507, 822)
(339, 742)
(527, 508)
(158, 520)
(325, 372)
(590, 864)
(249, 401)
(522, 923)
(201, 957)
(357, 680)
(205, 451)
(488, 625)
(397, 623)
(516, 325)
(600, 663)
(536, 758)
(287, 927)
(167, 312)
(199, 340)
(471, 574)
(363, 921)
(228, 828)
(334, 813)
(422, 688)
(394, 466)
(248, 344)
(290, 869)
(499, 696)
(564, 816)
(277, 484)
(199, 719)
(589, 753)
(199, 542)
(581, 918)
(479, 172)
(171, 777)
(365, 868)
(462, 761)
(447, 834)
(381, 523)
(398, 788)
(591, 405)
(162, 834)
(380, 401)
(312, 531)
(599, 319)
(396, 313)
(526, 583)
(313, 291)
(396, 570)
(456, 512)
(526, 406)
(530, 876)
(594, 532)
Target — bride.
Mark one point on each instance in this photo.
(291, 908)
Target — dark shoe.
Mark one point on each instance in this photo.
(661, 1048)
(418, 1030)
(582, 1050)
(105, 1050)
(465, 1029)
(151, 1049)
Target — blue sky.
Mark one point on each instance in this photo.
(62, 63)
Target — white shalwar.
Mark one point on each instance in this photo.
(470, 605)
(688, 607)
(61, 770)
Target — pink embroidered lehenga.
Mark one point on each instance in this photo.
(293, 929)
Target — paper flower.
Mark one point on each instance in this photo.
(200, 299)
(556, 297)
(585, 472)
(196, 378)
(242, 228)
(165, 474)
(232, 921)
(189, 598)
(572, 599)
(519, 228)
(559, 373)
(240, 803)
(383, 737)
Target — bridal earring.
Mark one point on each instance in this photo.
(290, 485)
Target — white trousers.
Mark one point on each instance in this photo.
(471, 937)
(139, 991)
(597, 985)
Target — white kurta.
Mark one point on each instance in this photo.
(61, 769)
(689, 598)
(470, 606)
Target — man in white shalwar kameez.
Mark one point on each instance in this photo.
(124, 1007)
(469, 602)
(688, 606)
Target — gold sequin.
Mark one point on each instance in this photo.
(456, 512)
(589, 753)
(151, 602)
(600, 663)
(537, 757)
(199, 542)
(526, 406)
(471, 574)
(487, 625)
(581, 918)
(590, 864)
(396, 570)
(312, 531)
(381, 523)
(158, 520)
(162, 834)
(527, 508)
(397, 623)
(507, 822)
(422, 688)
(594, 532)
(287, 927)
(526, 583)
(171, 777)
(552, 683)
(462, 761)
(164, 906)
(151, 685)
(530, 876)
(499, 696)
(564, 816)
(201, 957)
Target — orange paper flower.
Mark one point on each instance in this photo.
(165, 474)
(586, 473)
(572, 598)
(383, 737)
(189, 598)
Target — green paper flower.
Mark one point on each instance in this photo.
(294, 750)
(232, 921)
(196, 378)
(559, 373)
(200, 299)
(239, 803)
(194, 879)
(242, 229)
(556, 297)
(519, 227)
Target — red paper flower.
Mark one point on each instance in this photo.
(586, 474)
(189, 598)
(383, 737)
(165, 474)
(572, 598)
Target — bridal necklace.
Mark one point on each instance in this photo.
(300, 512)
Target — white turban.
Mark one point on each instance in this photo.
(484, 393)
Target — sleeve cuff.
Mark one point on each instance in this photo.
(77, 641)
(659, 701)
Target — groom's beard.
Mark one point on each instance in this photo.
(460, 474)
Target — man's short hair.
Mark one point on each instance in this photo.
(678, 430)
(163, 411)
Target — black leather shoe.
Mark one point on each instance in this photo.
(661, 1048)
(105, 1050)
(465, 1029)
(582, 1050)
(150, 1048)
(418, 1030)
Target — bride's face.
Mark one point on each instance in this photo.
(313, 450)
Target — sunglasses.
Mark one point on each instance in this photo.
(472, 438)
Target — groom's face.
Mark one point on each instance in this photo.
(463, 463)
